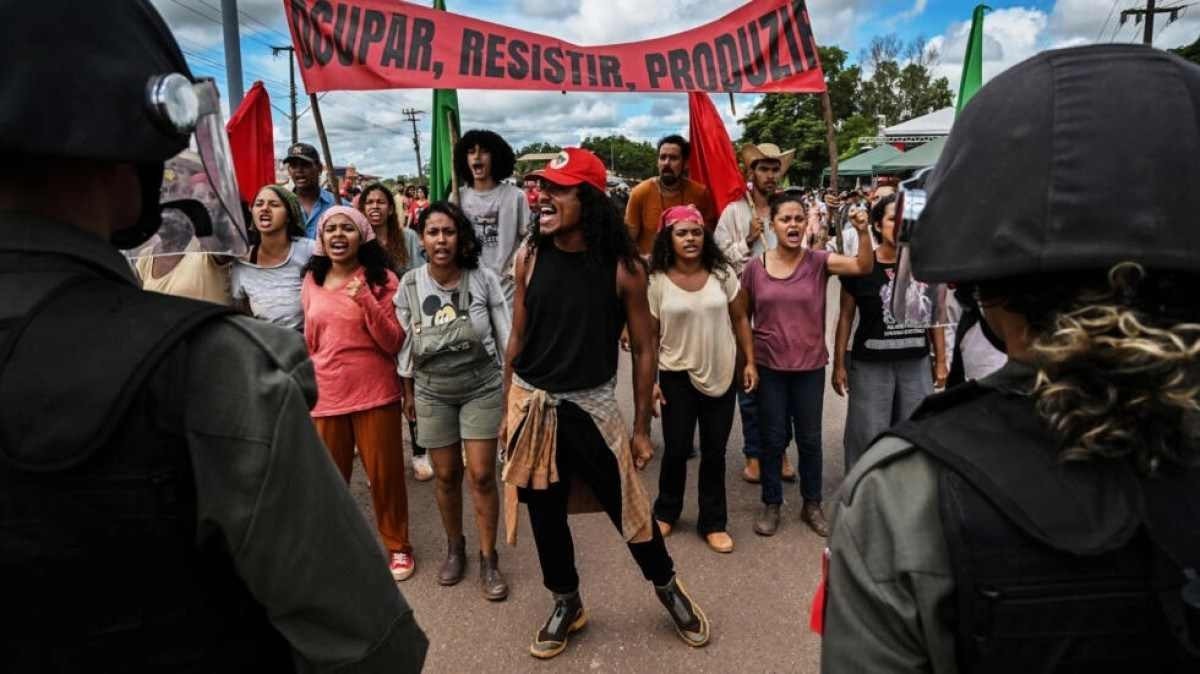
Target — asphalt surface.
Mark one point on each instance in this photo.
(756, 598)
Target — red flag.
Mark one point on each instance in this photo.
(712, 162)
(252, 142)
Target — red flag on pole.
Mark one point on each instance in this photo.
(712, 162)
(252, 142)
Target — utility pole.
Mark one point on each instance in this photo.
(233, 53)
(291, 85)
(1148, 15)
(411, 114)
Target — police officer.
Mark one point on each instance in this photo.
(1046, 518)
(165, 504)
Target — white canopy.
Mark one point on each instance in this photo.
(936, 123)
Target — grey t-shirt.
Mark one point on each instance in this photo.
(274, 292)
(501, 217)
(489, 310)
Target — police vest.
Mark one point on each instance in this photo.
(102, 567)
(1058, 566)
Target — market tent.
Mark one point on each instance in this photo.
(917, 158)
(936, 123)
(862, 163)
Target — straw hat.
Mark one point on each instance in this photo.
(752, 153)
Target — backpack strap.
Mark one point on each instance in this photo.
(89, 344)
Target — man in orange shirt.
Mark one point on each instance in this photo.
(652, 196)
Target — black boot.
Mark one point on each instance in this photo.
(491, 581)
(455, 566)
(568, 616)
(690, 622)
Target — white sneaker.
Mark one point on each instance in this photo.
(422, 470)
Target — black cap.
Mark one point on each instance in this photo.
(1074, 159)
(74, 80)
(302, 152)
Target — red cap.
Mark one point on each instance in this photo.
(573, 166)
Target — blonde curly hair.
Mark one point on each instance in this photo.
(1118, 363)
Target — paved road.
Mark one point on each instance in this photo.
(757, 598)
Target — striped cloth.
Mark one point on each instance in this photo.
(530, 461)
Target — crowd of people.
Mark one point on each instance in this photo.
(194, 459)
(484, 321)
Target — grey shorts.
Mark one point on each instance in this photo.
(464, 407)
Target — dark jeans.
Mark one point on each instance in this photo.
(685, 407)
(583, 455)
(786, 401)
(750, 433)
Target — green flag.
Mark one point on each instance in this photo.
(972, 74)
(445, 132)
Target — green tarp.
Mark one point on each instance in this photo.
(916, 158)
(862, 163)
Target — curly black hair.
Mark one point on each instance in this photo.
(467, 255)
(663, 254)
(371, 256)
(503, 159)
(604, 231)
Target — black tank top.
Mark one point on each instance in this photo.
(573, 322)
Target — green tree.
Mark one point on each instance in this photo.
(796, 120)
(538, 148)
(625, 157)
(1190, 52)
(901, 85)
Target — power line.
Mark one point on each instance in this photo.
(1107, 19)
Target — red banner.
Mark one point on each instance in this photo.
(252, 142)
(764, 46)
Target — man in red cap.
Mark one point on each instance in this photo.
(578, 281)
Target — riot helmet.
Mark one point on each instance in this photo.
(106, 81)
(1074, 160)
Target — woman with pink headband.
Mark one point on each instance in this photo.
(700, 316)
(353, 337)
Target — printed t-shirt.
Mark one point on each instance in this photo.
(501, 217)
(490, 315)
(789, 314)
(878, 337)
(647, 202)
(274, 292)
(695, 332)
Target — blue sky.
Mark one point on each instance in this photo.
(368, 129)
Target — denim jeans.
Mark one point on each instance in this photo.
(750, 433)
(787, 401)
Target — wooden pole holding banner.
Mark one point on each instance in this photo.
(316, 111)
(450, 127)
(830, 139)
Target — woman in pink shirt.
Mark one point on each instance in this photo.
(353, 337)
(786, 288)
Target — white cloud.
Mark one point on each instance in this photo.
(916, 10)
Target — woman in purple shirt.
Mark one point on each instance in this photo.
(786, 288)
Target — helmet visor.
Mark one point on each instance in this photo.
(915, 304)
(201, 211)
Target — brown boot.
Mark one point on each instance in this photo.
(491, 581)
(750, 473)
(455, 566)
(812, 515)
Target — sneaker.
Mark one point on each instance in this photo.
(768, 522)
(788, 473)
(690, 622)
(422, 469)
(812, 515)
(567, 617)
(402, 566)
(750, 472)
